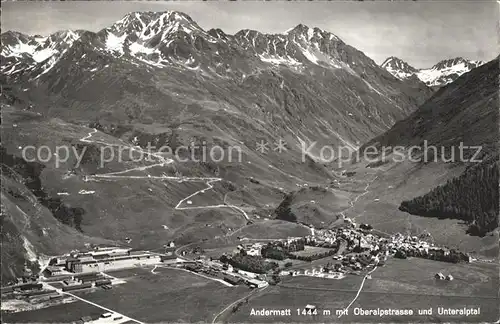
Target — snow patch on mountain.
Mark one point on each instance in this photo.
(18, 50)
(310, 55)
(40, 56)
(34, 53)
(115, 43)
(136, 48)
(277, 60)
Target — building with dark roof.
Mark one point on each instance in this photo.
(112, 262)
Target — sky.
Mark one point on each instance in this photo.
(420, 32)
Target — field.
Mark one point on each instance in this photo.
(63, 313)
(167, 296)
(399, 284)
(216, 253)
(311, 250)
(349, 283)
(416, 275)
(295, 263)
(488, 308)
(278, 298)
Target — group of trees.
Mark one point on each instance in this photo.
(313, 257)
(471, 197)
(275, 279)
(284, 211)
(281, 250)
(270, 251)
(251, 263)
(452, 256)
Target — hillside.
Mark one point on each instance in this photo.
(32, 225)
(315, 206)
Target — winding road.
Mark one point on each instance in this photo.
(162, 161)
(365, 191)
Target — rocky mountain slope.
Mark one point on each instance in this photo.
(31, 227)
(442, 73)
(157, 77)
(151, 63)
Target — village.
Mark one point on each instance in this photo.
(325, 253)
(350, 249)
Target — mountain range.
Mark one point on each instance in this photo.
(438, 75)
(158, 77)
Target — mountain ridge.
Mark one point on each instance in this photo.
(440, 74)
(158, 41)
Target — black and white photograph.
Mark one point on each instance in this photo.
(250, 162)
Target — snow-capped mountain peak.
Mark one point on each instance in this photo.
(171, 38)
(442, 73)
(145, 32)
(394, 62)
(21, 52)
(398, 67)
(310, 33)
(145, 25)
(455, 62)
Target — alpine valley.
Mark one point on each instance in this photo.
(273, 102)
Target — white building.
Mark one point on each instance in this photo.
(439, 276)
(254, 252)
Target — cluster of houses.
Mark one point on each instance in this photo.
(101, 259)
(403, 246)
(225, 272)
(355, 248)
(250, 248)
(86, 280)
(359, 248)
(109, 258)
(83, 269)
(352, 239)
(319, 272)
(31, 292)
